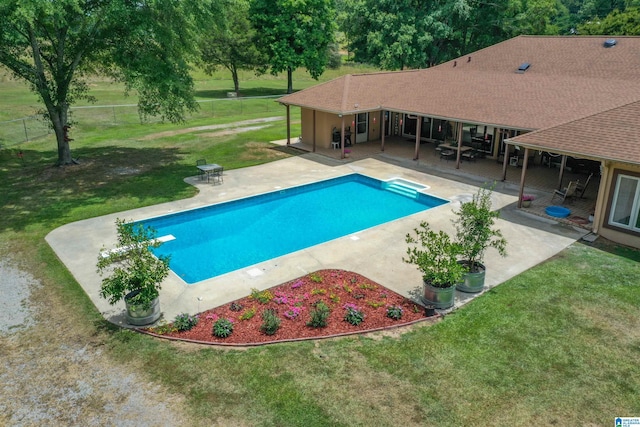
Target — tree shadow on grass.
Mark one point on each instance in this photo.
(615, 249)
(108, 179)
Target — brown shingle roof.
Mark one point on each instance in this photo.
(569, 78)
(611, 135)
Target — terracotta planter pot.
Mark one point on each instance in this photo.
(440, 298)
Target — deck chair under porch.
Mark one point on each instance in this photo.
(567, 193)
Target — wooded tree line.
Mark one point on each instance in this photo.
(150, 45)
(399, 34)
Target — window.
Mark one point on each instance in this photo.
(625, 207)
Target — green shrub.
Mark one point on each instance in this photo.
(394, 312)
(184, 322)
(319, 315)
(222, 328)
(353, 314)
(270, 322)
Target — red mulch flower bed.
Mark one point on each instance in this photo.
(293, 302)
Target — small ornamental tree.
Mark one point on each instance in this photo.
(475, 230)
(435, 255)
(133, 270)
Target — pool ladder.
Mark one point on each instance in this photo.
(402, 190)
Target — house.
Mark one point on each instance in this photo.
(573, 100)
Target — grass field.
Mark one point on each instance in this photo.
(557, 345)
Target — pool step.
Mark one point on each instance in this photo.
(402, 190)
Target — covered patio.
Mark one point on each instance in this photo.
(541, 180)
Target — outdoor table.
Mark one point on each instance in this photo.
(209, 169)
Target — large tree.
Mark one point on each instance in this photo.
(230, 42)
(55, 45)
(294, 33)
(399, 34)
(617, 23)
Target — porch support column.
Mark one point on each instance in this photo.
(505, 161)
(459, 138)
(605, 167)
(522, 176)
(288, 125)
(342, 139)
(496, 146)
(418, 131)
(314, 132)
(382, 129)
(563, 163)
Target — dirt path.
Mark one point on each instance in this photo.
(212, 127)
(54, 372)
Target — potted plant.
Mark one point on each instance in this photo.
(475, 233)
(134, 272)
(436, 256)
(526, 200)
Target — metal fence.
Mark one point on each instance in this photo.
(25, 129)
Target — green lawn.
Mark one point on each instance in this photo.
(556, 345)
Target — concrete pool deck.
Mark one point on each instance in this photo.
(375, 253)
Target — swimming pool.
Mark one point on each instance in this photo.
(217, 239)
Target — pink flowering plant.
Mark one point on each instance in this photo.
(184, 322)
(528, 197)
(394, 312)
(293, 312)
(353, 314)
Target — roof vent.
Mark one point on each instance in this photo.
(523, 67)
(610, 42)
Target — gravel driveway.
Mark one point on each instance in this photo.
(52, 373)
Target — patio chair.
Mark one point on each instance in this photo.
(201, 162)
(335, 138)
(217, 175)
(447, 155)
(469, 155)
(566, 193)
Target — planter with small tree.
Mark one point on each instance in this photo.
(134, 272)
(436, 256)
(475, 233)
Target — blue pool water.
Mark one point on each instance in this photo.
(220, 238)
